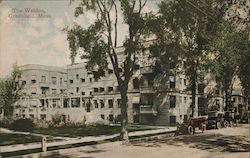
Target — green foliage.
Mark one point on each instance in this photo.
(56, 119)
(25, 125)
(98, 42)
(243, 45)
(41, 123)
(6, 122)
(10, 91)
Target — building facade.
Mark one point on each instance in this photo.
(78, 96)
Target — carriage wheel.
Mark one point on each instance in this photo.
(226, 124)
(190, 130)
(218, 125)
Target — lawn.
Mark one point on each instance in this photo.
(86, 130)
(10, 139)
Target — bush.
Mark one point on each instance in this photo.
(56, 119)
(41, 124)
(25, 125)
(74, 124)
(6, 122)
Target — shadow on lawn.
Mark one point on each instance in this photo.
(209, 142)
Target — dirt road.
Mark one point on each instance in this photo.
(232, 142)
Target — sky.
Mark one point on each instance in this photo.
(27, 38)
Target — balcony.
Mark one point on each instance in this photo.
(146, 109)
(147, 89)
(146, 70)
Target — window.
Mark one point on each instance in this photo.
(110, 89)
(77, 76)
(43, 116)
(110, 71)
(136, 67)
(111, 103)
(71, 81)
(90, 79)
(96, 103)
(33, 81)
(83, 102)
(65, 102)
(32, 116)
(201, 88)
(53, 80)
(43, 79)
(102, 103)
(42, 102)
(172, 120)
(77, 89)
(83, 93)
(185, 118)
(89, 73)
(180, 99)
(33, 93)
(172, 101)
(83, 80)
(53, 103)
(60, 80)
(88, 104)
(53, 91)
(75, 102)
(62, 91)
(119, 102)
(90, 93)
(136, 83)
(103, 117)
(101, 89)
(95, 90)
(185, 99)
(111, 118)
(185, 82)
(172, 81)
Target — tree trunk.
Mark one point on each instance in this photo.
(228, 100)
(193, 89)
(124, 114)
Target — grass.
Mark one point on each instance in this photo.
(86, 130)
(91, 130)
(10, 139)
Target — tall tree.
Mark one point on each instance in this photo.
(187, 23)
(195, 23)
(230, 46)
(244, 61)
(10, 89)
(99, 42)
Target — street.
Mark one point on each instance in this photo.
(224, 143)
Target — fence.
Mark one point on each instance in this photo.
(44, 145)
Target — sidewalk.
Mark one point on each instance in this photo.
(4, 130)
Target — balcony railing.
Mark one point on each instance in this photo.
(146, 109)
(147, 89)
